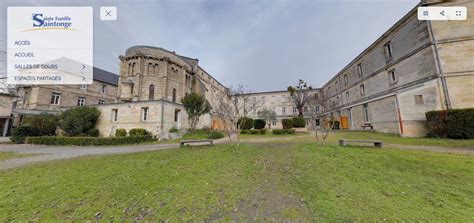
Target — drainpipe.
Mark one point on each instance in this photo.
(399, 115)
(447, 100)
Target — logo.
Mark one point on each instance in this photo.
(44, 22)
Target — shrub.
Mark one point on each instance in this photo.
(454, 124)
(21, 132)
(173, 129)
(120, 133)
(244, 132)
(298, 122)
(287, 123)
(93, 132)
(259, 124)
(46, 124)
(215, 134)
(254, 132)
(75, 121)
(87, 141)
(139, 132)
(283, 131)
(263, 131)
(247, 123)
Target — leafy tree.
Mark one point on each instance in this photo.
(79, 120)
(46, 124)
(300, 95)
(195, 105)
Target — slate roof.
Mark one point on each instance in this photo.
(105, 76)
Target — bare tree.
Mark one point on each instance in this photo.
(234, 110)
(300, 95)
(268, 115)
(319, 105)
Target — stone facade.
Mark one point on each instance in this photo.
(37, 99)
(415, 67)
(6, 104)
(156, 79)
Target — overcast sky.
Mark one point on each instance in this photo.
(265, 45)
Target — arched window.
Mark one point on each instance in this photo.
(151, 92)
(149, 70)
(133, 68)
(174, 94)
(129, 68)
(155, 69)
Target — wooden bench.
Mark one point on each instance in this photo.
(377, 143)
(367, 125)
(210, 141)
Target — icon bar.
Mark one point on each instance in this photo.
(442, 13)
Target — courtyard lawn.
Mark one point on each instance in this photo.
(10, 155)
(334, 137)
(266, 181)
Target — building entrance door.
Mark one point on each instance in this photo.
(344, 122)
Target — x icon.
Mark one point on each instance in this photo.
(107, 13)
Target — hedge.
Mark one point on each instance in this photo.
(283, 131)
(215, 134)
(298, 122)
(453, 123)
(86, 141)
(46, 124)
(259, 124)
(287, 123)
(21, 132)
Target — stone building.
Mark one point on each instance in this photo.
(278, 101)
(414, 67)
(151, 84)
(37, 99)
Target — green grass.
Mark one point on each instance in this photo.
(386, 138)
(273, 182)
(10, 155)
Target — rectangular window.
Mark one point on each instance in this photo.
(336, 86)
(101, 102)
(316, 121)
(362, 89)
(283, 110)
(83, 86)
(103, 89)
(419, 100)
(346, 81)
(81, 101)
(366, 112)
(144, 114)
(359, 69)
(55, 99)
(317, 108)
(114, 115)
(274, 122)
(176, 114)
(347, 96)
(295, 110)
(388, 50)
(393, 76)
